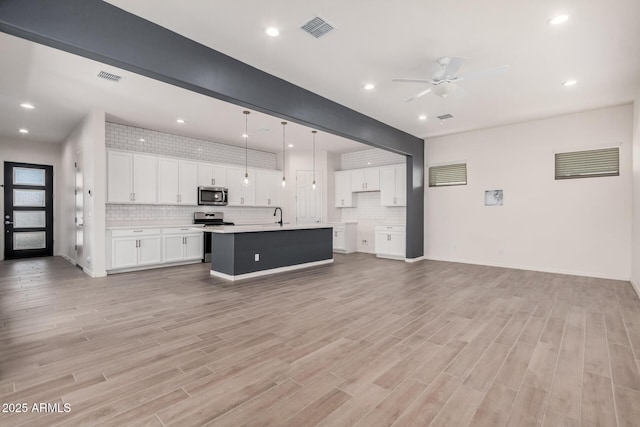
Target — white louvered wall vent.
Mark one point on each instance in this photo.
(108, 76)
(445, 117)
(317, 27)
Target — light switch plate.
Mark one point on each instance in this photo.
(257, 257)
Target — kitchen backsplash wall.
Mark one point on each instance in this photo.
(129, 213)
(368, 212)
(125, 137)
(370, 158)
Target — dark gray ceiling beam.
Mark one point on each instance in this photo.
(102, 32)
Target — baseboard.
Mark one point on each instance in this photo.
(270, 271)
(153, 267)
(412, 260)
(635, 287)
(69, 260)
(93, 274)
(533, 268)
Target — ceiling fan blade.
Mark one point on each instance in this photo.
(453, 66)
(419, 95)
(484, 73)
(412, 81)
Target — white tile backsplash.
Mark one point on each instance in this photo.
(370, 158)
(156, 213)
(368, 212)
(368, 207)
(125, 137)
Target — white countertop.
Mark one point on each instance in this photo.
(127, 225)
(231, 229)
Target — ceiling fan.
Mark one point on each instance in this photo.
(445, 79)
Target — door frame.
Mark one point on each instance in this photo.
(9, 208)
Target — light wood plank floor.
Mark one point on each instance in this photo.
(363, 342)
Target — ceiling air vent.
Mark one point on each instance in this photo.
(109, 76)
(445, 116)
(317, 27)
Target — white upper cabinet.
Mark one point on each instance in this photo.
(145, 184)
(131, 178)
(168, 181)
(119, 177)
(188, 183)
(212, 175)
(365, 179)
(241, 194)
(268, 188)
(343, 194)
(393, 185)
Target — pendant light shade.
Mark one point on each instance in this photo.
(284, 180)
(246, 145)
(313, 186)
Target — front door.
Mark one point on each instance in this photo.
(28, 210)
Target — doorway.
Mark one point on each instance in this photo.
(308, 200)
(28, 210)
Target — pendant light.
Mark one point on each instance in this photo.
(246, 146)
(284, 181)
(313, 186)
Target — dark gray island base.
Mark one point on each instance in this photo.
(245, 252)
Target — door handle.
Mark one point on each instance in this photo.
(8, 222)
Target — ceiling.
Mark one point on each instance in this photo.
(374, 42)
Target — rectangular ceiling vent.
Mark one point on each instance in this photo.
(317, 27)
(445, 116)
(108, 76)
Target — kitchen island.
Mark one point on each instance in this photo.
(241, 252)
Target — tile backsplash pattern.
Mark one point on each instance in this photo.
(118, 213)
(368, 207)
(370, 158)
(125, 137)
(368, 212)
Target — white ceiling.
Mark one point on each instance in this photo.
(374, 41)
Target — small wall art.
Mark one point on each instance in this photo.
(493, 198)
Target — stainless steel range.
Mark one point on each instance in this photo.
(209, 219)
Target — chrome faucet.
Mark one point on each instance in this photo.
(274, 214)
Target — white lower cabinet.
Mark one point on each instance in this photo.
(391, 241)
(143, 247)
(135, 247)
(181, 244)
(345, 237)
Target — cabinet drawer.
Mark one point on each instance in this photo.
(181, 230)
(390, 229)
(136, 232)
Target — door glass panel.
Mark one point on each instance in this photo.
(29, 219)
(28, 176)
(28, 198)
(29, 240)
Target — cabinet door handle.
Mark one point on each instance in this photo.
(268, 201)
(134, 197)
(366, 185)
(335, 234)
(212, 181)
(395, 200)
(388, 236)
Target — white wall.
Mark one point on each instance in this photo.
(577, 226)
(89, 139)
(635, 253)
(17, 150)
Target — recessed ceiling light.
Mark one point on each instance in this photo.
(290, 145)
(368, 163)
(27, 106)
(369, 86)
(181, 121)
(569, 82)
(23, 130)
(559, 19)
(273, 32)
(422, 117)
(141, 140)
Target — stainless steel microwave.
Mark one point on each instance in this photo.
(216, 196)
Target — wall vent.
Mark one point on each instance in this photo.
(445, 116)
(108, 76)
(317, 27)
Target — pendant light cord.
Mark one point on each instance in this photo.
(314, 155)
(283, 152)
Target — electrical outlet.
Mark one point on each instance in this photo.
(257, 257)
